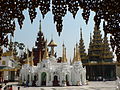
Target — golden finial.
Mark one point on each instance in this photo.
(45, 56)
(32, 63)
(63, 54)
(74, 57)
(77, 53)
(52, 44)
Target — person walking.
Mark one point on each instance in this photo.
(18, 87)
(10, 88)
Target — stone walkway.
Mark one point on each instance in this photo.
(108, 85)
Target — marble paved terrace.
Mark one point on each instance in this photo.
(108, 85)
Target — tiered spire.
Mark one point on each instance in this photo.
(83, 55)
(90, 47)
(96, 46)
(107, 55)
(74, 57)
(40, 46)
(77, 54)
(99, 49)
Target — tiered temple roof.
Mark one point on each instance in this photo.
(83, 54)
(99, 49)
(96, 46)
(40, 47)
(107, 54)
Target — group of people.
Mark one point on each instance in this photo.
(25, 83)
(8, 87)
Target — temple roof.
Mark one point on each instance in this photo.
(52, 43)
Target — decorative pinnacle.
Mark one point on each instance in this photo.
(74, 57)
(81, 32)
(77, 53)
(40, 26)
(46, 52)
(90, 37)
(32, 63)
(64, 54)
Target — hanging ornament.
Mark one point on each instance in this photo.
(73, 6)
(44, 7)
(59, 9)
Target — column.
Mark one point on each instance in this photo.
(30, 79)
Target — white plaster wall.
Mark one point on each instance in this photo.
(6, 73)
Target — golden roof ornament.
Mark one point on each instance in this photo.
(52, 44)
(77, 54)
(74, 57)
(32, 63)
(45, 56)
(63, 54)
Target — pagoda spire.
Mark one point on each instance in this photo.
(107, 55)
(40, 46)
(90, 46)
(81, 32)
(96, 46)
(32, 63)
(90, 37)
(40, 28)
(74, 57)
(83, 54)
(77, 53)
(63, 54)
(45, 56)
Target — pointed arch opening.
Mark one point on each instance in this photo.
(67, 79)
(43, 78)
(56, 81)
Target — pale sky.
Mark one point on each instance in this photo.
(70, 33)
